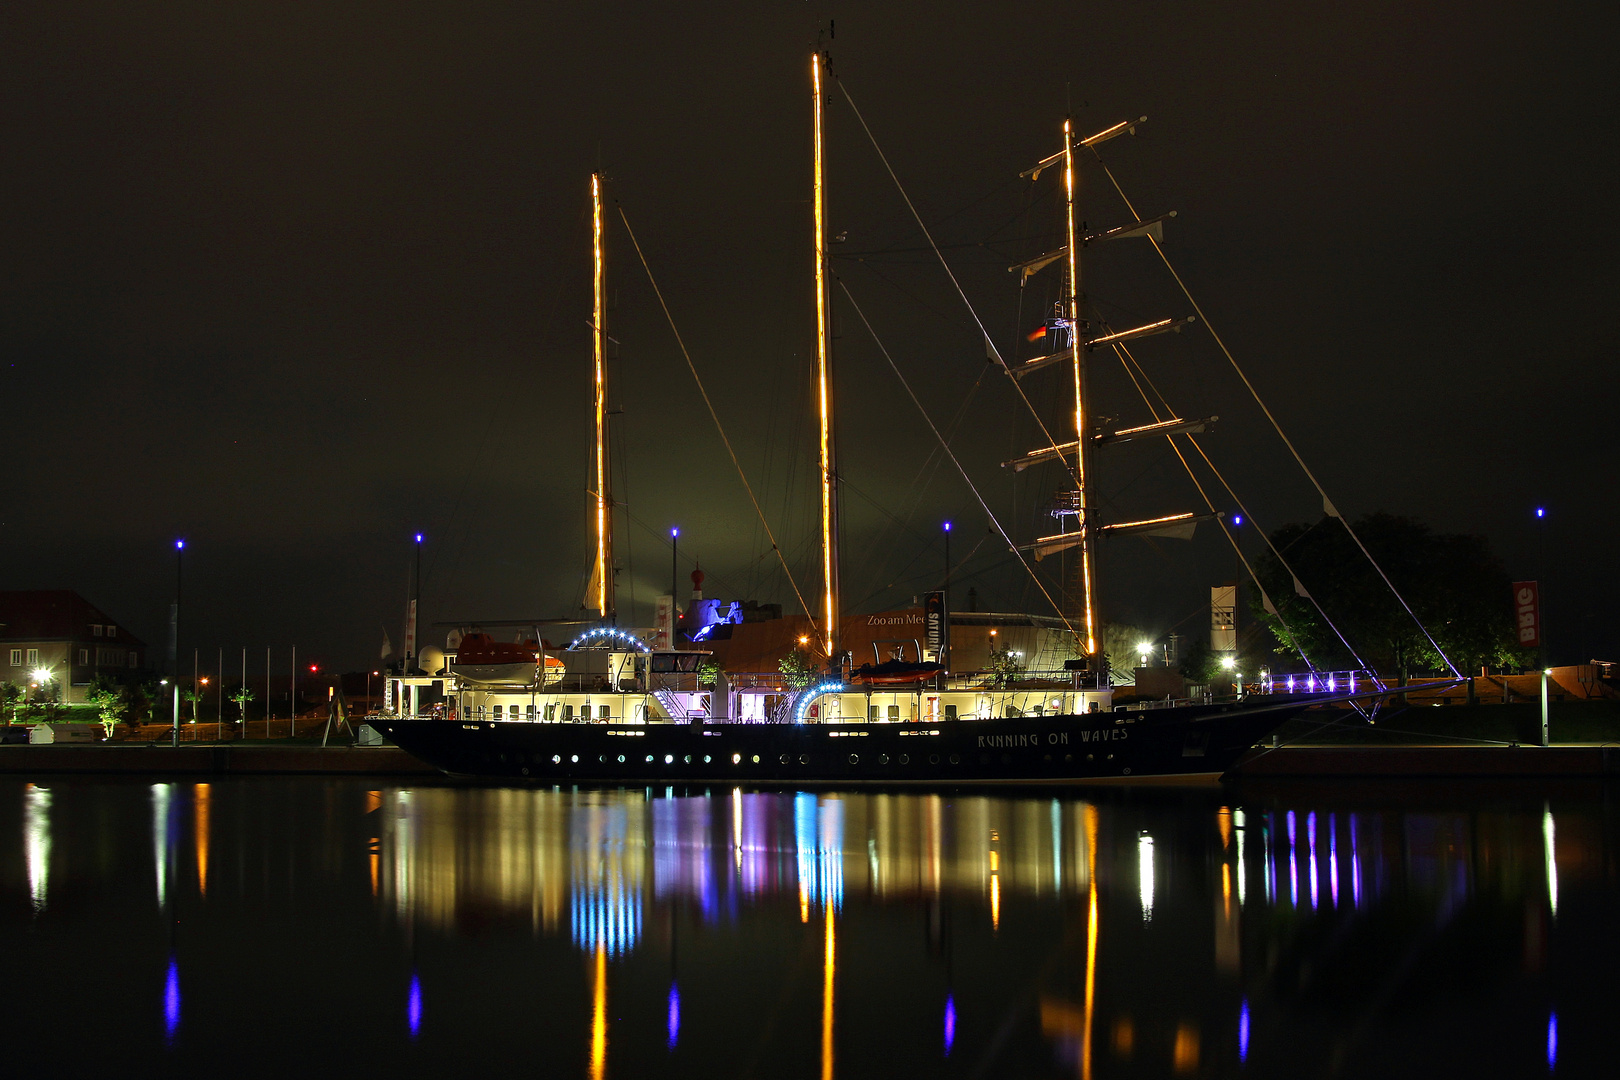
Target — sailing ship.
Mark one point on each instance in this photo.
(622, 710)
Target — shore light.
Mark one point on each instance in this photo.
(1228, 662)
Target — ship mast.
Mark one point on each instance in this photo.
(602, 574)
(829, 462)
(1082, 456)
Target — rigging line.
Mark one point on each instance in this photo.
(714, 415)
(946, 447)
(1219, 519)
(985, 334)
(1244, 510)
(1327, 504)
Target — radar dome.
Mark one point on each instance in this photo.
(431, 660)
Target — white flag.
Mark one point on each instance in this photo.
(388, 646)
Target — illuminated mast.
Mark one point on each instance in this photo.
(1082, 450)
(602, 575)
(829, 463)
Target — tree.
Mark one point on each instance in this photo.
(1454, 584)
(10, 697)
(796, 669)
(242, 695)
(193, 696)
(110, 699)
(1004, 666)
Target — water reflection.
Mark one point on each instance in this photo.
(37, 843)
(1277, 932)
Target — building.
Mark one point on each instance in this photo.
(58, 635)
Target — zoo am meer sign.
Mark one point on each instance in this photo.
(1527, 612)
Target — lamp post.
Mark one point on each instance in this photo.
(947, 566)
(174, 641)
(674, 564)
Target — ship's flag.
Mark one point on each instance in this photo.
(388, 646)
(1037, 333)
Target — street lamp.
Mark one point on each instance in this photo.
(947, 566)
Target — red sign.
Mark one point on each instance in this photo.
(1527, 612)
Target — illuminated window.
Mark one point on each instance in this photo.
(551, 713)
(894, 714)
(497, 712)
(33, 657)
(950, 712)
(528, 713)
(602, 712)
(568, 714)
(872, 714)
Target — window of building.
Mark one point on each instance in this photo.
(112, 631)
(95, 629)
(133, 659)
(16, 658)
(84, 657)
(33, 657)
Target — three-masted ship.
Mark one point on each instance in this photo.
(613, 708)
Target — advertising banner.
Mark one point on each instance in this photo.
(936, 625)
(1527, 612)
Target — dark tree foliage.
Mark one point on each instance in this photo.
(1453, 583)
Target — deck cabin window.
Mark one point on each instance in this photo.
(497, 712)
(568, 714)
(894, 714)
(871, 714)
(528, 713)
(602, 712)
(950, 712)
(551, 712)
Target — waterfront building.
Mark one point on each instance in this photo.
(59, 637)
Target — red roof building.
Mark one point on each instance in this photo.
(57, 636)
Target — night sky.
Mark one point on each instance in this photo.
(296, 281)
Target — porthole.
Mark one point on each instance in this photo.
(756, 759)
(574, 758)
(854, 759)
(688, 759)
(1089, 757)
(804, 759)
(736, 759)
(602, 758)
(525, 770)
(649, 759)
(556, 759)
(955, 760)
(621, 759)
(705, 759)
(883, 759)
(669, 759)
(1110, 757)
(905, 759)
(1127, 770)
(783, 759)
(933, 759)
(1046, 757)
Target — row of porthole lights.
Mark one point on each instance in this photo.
(736, 759)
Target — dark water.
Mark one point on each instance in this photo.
(301, 926)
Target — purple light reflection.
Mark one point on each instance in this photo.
(413, 1006)
(171, 1000)
(1552, 1041)
(1293, 865)
(1355, 865)
(1310, 838)
(1243, 1032)
(674, 1016)
(950, 1023)
(1333, 859)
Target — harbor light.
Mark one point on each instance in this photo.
(42, 675)
(1237, 519)
(1541, 511)
(1228, 662)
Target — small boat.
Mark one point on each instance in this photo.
(482, 660)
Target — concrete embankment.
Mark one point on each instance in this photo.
(210, 760)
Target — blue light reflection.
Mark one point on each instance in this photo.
(413, 1006)
(950, 1023)
(674, 1015)
(1552, 1041)
(1243, 1032)
(171, 1000)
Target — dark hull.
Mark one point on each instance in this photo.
(1184, 741)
